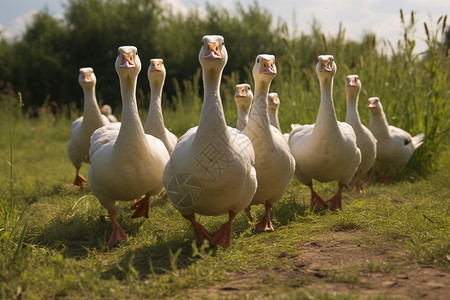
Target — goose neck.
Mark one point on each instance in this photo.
(155, 121)
(259, 114)
(326, 117)
(352, 115)
(212, 119)
(90, 106)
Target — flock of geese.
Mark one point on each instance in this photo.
(215, 169)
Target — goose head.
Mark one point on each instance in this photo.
(274, 101)
(106, 110)
(325, 68)
(375, 107)
(156, 71)
(87, 77)
(127, 61)
(213, 52)
(243, 95)
(352, 85)
(264, 68)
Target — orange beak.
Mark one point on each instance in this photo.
(351, 81)
(156, 66)
(127, 61)
(86, 77)
(325, 66)
(213, 51)
(372, 104)
(268, 67)
(240, 92)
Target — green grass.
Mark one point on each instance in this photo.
(58, 248)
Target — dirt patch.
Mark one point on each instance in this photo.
(338, 264)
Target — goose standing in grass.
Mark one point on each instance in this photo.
(243, 98)
(274, 162)
(154, 123)
(365, 140)
(395, 146)
(325, 151)
(83, 127)
(107, 111)
(211, 168)
(126, 163)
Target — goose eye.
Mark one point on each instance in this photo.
(257, 60)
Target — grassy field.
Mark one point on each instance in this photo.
(53, 236)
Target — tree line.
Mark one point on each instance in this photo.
(43, 63)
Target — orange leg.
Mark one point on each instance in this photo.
(336, 200)
(316, 201)
(265, 224)
(248, 212)
(222, 237)
(79, 179)
(200, 232)
(141, 206)
(117, 234)
(356, 182)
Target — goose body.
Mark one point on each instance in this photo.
(365, 140)
(154, 123)
(243, 98)
(395, 146)
(107, 111)
(325, 151)
(126, 163)
(274, 162)
(83, 127)
(211, 168)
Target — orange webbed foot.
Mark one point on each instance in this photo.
(222, 237)
(79, 180)
(141, 207)
(265, 224)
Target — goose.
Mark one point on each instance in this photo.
(107, 111)
(365, 140)
(211, 169)
(83, 127)
(154, 123)
(274, 104)
(325, 151)
(274, 162)
(395, 146)
(125, 162)
(243, 98)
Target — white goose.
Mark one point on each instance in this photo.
(274, 162)
(154, 123)
(211, 168)
(107, 111)
(365, 140)
(395, 146)
(243, 98)
(325, 151)
(126, 163)
(83, 127)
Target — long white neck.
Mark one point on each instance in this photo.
(91, 112)
(154, 123)
(131, 128)
(352, 115)
(379, 125)
(212, 120)
(326, 122)
(273, 118)
(259, 115)
(242, 116)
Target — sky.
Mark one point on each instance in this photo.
(358, 17)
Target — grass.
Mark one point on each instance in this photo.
(58, 248)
